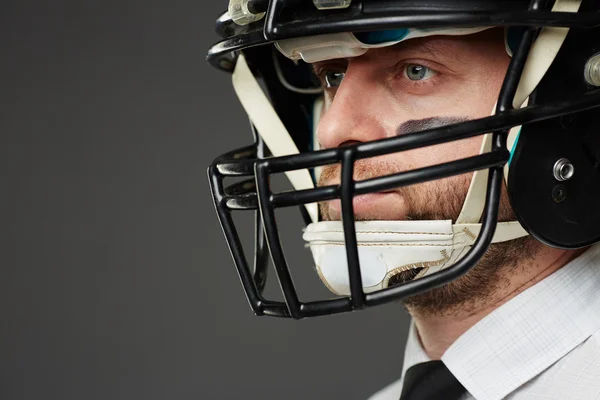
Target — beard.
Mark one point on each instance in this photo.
(443, 200)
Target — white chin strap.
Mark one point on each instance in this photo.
(386, 248)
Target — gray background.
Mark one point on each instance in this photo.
(116, 282)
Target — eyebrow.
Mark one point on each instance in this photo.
(437, 48)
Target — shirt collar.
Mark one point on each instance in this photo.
(527, 334)
(414, 353)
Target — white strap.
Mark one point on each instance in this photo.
(318, 108)
(504, 231)
(475, 200)
(543, 52)
(269, 126)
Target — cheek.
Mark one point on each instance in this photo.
(470, 100)
(486, 87)
(447, 152)
(474, 100)
(472, 94)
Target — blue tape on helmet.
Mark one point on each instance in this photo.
(378, 37)
(514, 146)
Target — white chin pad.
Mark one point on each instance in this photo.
(386, 248)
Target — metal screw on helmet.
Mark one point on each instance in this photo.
(331, 4)
(241, 13)
(592, 70)
(563, 170)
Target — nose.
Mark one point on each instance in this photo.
(359, 111)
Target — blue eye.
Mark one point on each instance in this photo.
(416, 72)
(333, 79)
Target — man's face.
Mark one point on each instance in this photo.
(415, 85)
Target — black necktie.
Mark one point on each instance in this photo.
(431, 381)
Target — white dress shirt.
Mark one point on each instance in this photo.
(542, 344)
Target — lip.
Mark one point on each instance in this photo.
(381, 205)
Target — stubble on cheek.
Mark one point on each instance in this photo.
(433, 200)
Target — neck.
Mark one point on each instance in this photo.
(438, 332)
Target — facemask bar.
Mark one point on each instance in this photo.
(242, 196)
(241, 163)
(261, 249)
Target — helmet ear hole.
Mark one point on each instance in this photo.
(554, 176)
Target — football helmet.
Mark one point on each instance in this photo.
(542, 140)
